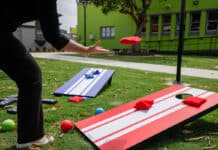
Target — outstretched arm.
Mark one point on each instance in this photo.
(73, 46)
(48, 17)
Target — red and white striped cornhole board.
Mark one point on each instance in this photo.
(123, 127)
(79, 85)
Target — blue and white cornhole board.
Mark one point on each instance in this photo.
(79, 85)
(123, 127)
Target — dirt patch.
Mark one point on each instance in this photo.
(115, 103)
(171, 81)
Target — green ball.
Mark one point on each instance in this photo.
(8, 125)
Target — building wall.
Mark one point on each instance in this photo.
(124, 26)
(199, 41)
(27, 35)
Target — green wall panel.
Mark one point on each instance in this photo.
(124, 26)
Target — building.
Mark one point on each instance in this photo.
(162, 27)
(31, 36)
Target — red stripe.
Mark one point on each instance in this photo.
(130, 112)
(144, 119)
(114, 111)
(162, 124)
(137, 122)
(109, 122)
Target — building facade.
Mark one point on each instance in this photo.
(31, 36)
(162, 26)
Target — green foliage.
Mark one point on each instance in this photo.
(107, 5)
(136, 9)
(194, 61)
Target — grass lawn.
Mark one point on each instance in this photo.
(127, 85)
(204, 62)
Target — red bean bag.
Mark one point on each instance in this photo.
(131, 40)
(194, 101)
(143, 104)
(75, 99)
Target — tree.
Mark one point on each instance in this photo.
(136, 9)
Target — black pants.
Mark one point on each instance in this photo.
(20, 66)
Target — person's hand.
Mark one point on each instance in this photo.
(96, 48)
(73, 46)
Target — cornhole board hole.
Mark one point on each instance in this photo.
(123, 127)
(88, 86)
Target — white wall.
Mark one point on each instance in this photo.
(26, 34)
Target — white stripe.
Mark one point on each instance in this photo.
(78, 89)
(107, 120)
(93, 83)
(130, 110)
(77, 82)
(135, 117)
(83, 85)
(171, 94)
(194, 91)
(132, 118)
(141, 124)
(206, 94)
(136, 126)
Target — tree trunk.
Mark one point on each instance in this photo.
(136, 48)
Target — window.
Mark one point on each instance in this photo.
(154, 25)
(166, 24)
(195, 22)
(107, 32)
(178, 23)
(212, 22)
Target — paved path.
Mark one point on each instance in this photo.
(203, 73)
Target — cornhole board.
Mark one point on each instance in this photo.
(79, 85)
(123, 127)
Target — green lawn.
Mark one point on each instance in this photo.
(127, 85)
(204, 62)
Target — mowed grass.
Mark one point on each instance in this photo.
(190, 61)
(127, 85)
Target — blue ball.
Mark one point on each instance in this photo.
(99, 110)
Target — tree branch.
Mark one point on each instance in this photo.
(124, 11)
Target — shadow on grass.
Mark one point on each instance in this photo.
(12, 148)
(173, 137)
(199, 128)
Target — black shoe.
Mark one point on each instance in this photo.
(12, 110)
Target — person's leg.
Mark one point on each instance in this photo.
(18, 64)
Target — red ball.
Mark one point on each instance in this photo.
(66, 125)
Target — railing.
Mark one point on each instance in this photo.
(197, 44)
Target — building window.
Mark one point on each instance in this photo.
(178, 23)
(195, 22)
(166, 24)
(107, 32)
(212, 22)
(154, 25)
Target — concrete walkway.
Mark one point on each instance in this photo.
(203, 73)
